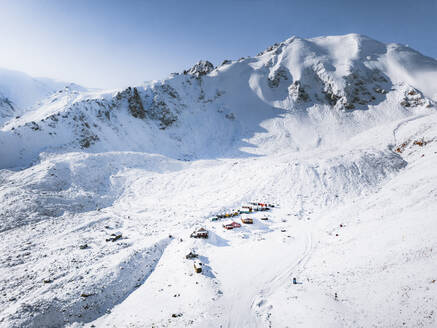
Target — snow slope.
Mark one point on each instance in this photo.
(19, 92)
(339, 131)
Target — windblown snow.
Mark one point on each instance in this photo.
(100, 191)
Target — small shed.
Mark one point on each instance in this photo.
(262, 204)
(248, 208)
(247, 220)
(200, 233)
(231, 225)
(236, 225)
(228, 226)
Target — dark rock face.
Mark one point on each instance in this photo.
(331, 97)
(136, 107)
(150, 105)
(364, 89)
(414, 98)
(297, 92)
(160, 111)
(361, 88)
(34, 126)
(170, 91)
(6, 107)
(275, 78)
(89, 140)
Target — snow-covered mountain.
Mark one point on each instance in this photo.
(340, 131)
(207, 112)
(19, 92)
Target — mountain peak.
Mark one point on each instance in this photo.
(202, 67)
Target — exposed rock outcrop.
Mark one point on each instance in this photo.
(201, 68)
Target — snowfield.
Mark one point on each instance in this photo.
(100, 191)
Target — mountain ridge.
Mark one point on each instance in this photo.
(296, 77)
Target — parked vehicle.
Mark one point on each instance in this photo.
(247, 220)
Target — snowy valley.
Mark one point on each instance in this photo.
(339, 132)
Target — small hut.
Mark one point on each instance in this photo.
(248, 208)
(200, 233)
(231, 225)
(262, 204)
(235, 224)
(247, 220)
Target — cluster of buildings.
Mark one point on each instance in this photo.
(229, 225)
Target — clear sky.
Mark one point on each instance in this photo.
(105, 43)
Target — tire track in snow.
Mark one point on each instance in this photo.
(281, 279)
(399, 125)
(254, 303)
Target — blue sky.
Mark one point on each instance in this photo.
(108, 43)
